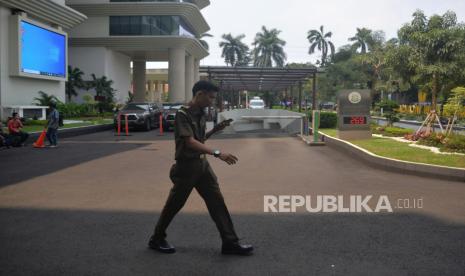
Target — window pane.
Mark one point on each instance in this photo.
(149, 25)
(124, 25)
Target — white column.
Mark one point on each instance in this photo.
(163, 90)
(176, 75)
(160, 90)
(239, 103)
(138, 75)
(189, 77)
(150, 97)
(156, 91)
(196, 70)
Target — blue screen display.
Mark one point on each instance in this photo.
(43, 52)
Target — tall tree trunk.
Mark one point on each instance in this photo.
(374, 80)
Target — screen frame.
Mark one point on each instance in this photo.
(16, 44)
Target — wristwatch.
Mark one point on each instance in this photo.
(216, 153)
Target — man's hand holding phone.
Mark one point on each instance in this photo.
(222, 125)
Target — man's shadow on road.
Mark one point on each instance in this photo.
(50, 242)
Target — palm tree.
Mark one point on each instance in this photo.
(319, 39)
(268, 48)
(202, 41)
(74, 81)
(235, 52)
(45, 99)
(246, 60)
(103, 89)
(362, 39)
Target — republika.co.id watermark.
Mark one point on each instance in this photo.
(337, 203)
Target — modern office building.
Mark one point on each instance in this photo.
(117, 33)
(33, 56)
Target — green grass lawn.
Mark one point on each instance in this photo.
(402, 151)
(329, 131)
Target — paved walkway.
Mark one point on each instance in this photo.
(89, 206)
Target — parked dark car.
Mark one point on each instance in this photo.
(169, 107)
(169, 114)
(140, 115)
(168, 123)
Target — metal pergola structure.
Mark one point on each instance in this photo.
(270, 79)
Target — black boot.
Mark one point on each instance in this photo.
(161, 245)
(235, 248)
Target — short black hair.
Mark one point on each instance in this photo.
(204, 85)
(52, 104)
(14, 114)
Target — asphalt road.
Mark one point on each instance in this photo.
(89, 207)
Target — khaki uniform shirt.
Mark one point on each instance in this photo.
(189, 121)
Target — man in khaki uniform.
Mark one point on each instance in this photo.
(192, 170)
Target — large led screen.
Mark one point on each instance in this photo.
(43, 52)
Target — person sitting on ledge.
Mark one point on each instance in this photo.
(4, 140)
(15, 128)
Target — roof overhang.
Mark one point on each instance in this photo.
(141, 44)
(259, 78)
(48, 10)
(202, 3)
(190, 12)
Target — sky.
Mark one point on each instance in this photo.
(296, 17)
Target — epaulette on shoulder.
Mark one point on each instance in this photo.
(183, 110)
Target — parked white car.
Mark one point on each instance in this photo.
(256, 103)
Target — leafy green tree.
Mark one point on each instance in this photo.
(389, 109)
(235, 52)
(436, 50)
(268, 49)
(88, 99)
(89, 103)
(320, 40)
(345, 72)
(74, 82)
(455, 105)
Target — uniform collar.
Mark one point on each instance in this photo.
(197, 111)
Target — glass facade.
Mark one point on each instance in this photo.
(149, 25)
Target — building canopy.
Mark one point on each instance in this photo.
(258, 78)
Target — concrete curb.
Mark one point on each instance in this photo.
(74, 131)
(389, 164)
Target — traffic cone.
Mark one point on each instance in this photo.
(161, 125)
(40, 141)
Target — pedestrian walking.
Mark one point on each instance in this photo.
(192, 170)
